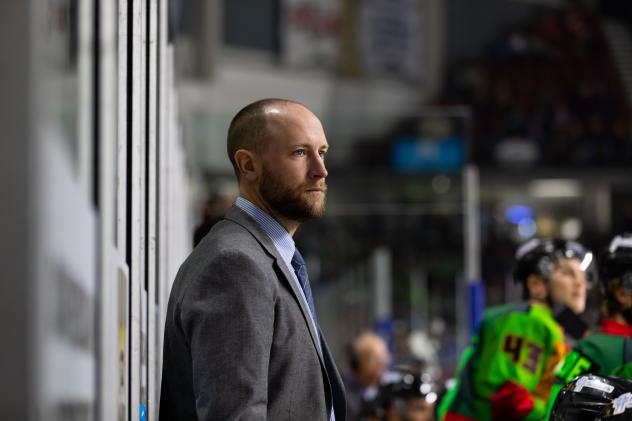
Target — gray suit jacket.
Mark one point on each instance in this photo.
(239, 344)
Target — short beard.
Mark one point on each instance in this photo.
(287, 202)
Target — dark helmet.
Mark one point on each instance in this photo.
(586, 396)
(398, 387)
(616, 262)
(538, 255)
(619, 409)
(409, 385)
(415, 396)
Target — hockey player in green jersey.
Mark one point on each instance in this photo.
(607, 350)
(508, 371)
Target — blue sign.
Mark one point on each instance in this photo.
(428, 154)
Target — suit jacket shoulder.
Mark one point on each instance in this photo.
(237, 341)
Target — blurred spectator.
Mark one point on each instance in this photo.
(368, 360)
(553, 84)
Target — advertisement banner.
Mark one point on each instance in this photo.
(391, 36)
(309, 33)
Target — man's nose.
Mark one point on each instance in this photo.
(318, 169)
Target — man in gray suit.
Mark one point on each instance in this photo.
(242, 340)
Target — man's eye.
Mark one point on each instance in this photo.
(299, 152)
(322, 154)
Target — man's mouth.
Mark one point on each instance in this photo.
(317, 189)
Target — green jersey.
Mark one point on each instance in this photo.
(517, 344)
(606, 351)
(624, 371)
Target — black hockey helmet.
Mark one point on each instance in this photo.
(616, 262)
(587, 396)
(399, 387)
(619, 409)
(410, 385)
(538, 255)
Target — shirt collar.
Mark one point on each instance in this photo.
(280, 237)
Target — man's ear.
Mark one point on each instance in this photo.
(247, 164)
(536, 287)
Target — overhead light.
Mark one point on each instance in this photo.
(571, 228)
(554, 188)
(546, 226)
(527, 228)
(516, 213)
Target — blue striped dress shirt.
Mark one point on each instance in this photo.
(282, 241)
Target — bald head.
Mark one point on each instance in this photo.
(369, 342)
(251, 128)
(372, 358)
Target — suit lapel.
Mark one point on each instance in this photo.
(238, 216)
(336, 386)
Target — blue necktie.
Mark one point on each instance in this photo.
(300, 268)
